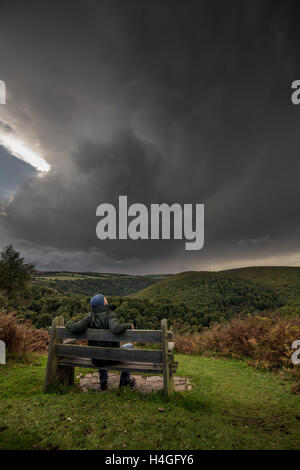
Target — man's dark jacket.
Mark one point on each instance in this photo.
(102, 317)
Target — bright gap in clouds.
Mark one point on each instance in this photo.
(19, 150)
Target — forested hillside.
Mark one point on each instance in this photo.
(191, 300)
(213, 296)
(201, 298)
(284, 280)
(68, 294)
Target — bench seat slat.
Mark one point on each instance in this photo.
(136, 336)
(130, 366)
(96, 352)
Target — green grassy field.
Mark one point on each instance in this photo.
(84, 276)
(231, 406)
(88, 284)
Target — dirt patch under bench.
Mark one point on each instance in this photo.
(145, 384)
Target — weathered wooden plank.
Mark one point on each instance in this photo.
(55, 373)
(135, 336)
(168, 382)
(52, 363)
(172, 367)
(2, 352)
(95, 352)
(130, 366)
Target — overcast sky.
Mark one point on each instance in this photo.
(163, 101)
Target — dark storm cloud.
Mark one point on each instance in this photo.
(60, 209)
(202, 90)
(5, 127)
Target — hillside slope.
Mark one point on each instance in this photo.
(285, 280)
(213, 296)
(194, 298)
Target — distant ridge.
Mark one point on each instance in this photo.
(211, 296)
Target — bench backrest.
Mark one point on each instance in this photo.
(163, 337)
(133, 336)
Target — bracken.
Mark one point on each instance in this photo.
(265, 340)
(21, 337)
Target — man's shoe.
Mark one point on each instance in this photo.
(131, 383)
(103, 385)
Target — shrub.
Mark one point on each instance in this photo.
(265, 340)
(21, 337)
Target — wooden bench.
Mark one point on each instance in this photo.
(63, 357)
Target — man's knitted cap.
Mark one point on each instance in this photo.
(97, 300)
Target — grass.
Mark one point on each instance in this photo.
(232, 406)
(67, 277)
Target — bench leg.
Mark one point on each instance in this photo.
(168, 380)
(56, 374)
(172, 388)
(65, 375)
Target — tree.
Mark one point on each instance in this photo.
(15, 274)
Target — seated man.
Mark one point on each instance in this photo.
(102, 316)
